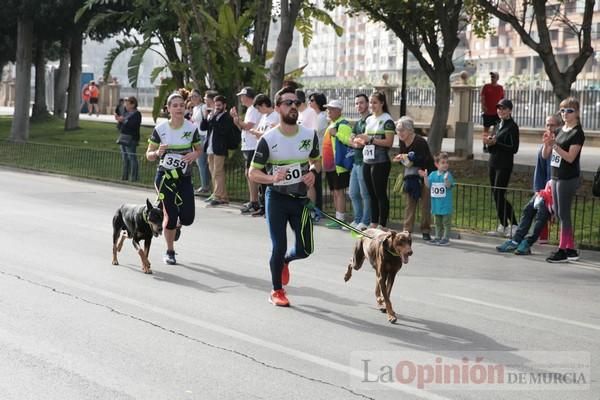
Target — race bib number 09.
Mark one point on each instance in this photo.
(172, 161)
(438, 189)
(292, 176)
(369, 152)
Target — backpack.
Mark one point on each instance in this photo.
(344, 155)
(596, 184)
(233, 139)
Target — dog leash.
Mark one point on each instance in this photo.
(312, 206)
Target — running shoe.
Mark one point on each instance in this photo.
(285, 274)
(559, 256)
(259, 213)
(249, 208)
(444, 242)
(169, 257)
(426, 237)
(278, 298)
(434, 241)
(362, 227)
(572, 255)
(524, 248)
(333, 225)
(507, 247)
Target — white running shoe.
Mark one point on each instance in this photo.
(361, 226)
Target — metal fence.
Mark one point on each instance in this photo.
(145, 95)
(474, 204)
(531, 107)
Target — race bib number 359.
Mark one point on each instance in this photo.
(292, 176)
(172, 161)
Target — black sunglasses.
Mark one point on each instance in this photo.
(290, 102)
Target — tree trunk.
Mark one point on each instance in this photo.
(289, 13)
(20, 125)
(173, 57)
(261, 32)
(40, 107)
(74, 91)
(61, 80)
(440, 112)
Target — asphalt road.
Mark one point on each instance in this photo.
(72, 326)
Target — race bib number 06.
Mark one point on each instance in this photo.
(555, 159)
(292, 176)
(172, 161)
(438, 189)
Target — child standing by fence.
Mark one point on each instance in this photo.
(440, 184)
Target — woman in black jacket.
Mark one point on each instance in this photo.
(129, 138)
(502, 147)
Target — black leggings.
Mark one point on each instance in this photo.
(376, 177)
(499, 177)
(177, 199)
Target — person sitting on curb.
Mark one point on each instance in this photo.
(539, 206)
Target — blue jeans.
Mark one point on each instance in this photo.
(205, 179)
(527, 218)
(359, 194)
(130, 162)
(281, 209)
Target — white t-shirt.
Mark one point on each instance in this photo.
(322, 124)
(268, 121)
(308, 118)
(248, 139)
(197, 115)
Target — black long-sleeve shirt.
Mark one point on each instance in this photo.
(502, 153)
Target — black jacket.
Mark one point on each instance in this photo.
(218, 129)
(131, 124)
(507, 144)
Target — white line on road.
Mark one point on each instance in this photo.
(323, 362)
(524, 312)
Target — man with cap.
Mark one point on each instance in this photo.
(502, 147)
(338, 176)
(249, 140)
(491, 94)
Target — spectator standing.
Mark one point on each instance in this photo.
(290, 170)
(85, 98)
(129, 138)
(219, 125)
(119, 110)
(269, 120)
(338, 177)
(537, 211)
(94, 99)
(564, 151)
(491, 94)
(359, 193)
(317, 102)
(307, 115)
(377, 141)
(415, 156)
(502, 147)
(175, 144)
(440, 184)
(249, 140)
(198, 113)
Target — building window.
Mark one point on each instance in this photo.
(494, 41)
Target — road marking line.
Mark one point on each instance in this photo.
(524, 312)
(301, 355)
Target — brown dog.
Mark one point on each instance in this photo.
(386, 251)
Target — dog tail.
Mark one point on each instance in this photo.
(118, 225)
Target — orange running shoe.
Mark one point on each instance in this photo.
(278, 298)
(285, 274)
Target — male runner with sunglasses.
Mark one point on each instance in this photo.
(289, 153)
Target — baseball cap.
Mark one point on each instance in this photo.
(494, 74)
(334, 104)
(247, 91)
(505, 103)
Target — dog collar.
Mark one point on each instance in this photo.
(392, 253)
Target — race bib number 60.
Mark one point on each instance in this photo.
(172, 161)
(292, 176)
